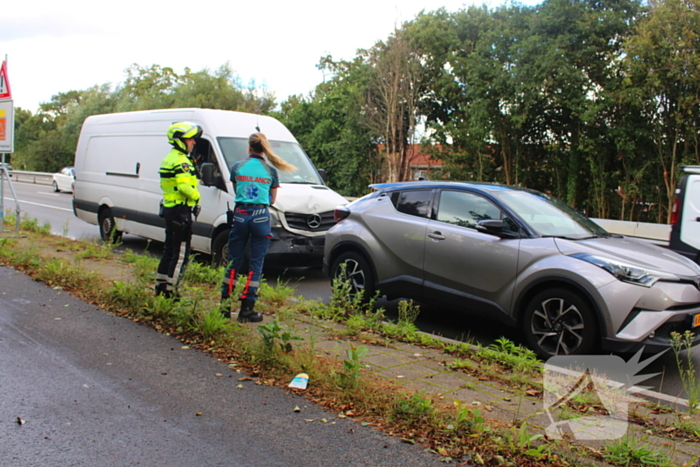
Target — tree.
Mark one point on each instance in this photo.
(663, 84)
(392, 99)
(330, 125)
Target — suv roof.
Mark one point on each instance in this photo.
(430, 184)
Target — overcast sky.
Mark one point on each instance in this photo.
(58, 46)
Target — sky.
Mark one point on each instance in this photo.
(59, 46)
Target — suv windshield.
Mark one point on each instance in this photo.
(236, 149)
(548, 216)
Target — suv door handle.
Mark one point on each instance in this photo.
(436, 235)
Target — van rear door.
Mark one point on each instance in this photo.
(690, 215)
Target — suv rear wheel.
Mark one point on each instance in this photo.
(353, 268)
(559, 322)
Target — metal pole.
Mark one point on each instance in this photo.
(2, 195)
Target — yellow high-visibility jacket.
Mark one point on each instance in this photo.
(178, 180)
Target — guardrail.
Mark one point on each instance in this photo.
(41, 178)
(658, 234)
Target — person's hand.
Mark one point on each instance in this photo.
(196, 210)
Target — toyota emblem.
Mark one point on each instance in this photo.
(314, 221)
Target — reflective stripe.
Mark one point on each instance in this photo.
(180, 262)
(231, 282)
(244, 295)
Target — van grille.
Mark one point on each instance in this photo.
(312, 222)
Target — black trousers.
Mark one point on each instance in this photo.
(176, 250)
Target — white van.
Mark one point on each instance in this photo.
(685, 217)
(117, 185)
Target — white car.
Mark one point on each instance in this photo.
(64, 180)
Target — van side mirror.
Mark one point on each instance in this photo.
(211, 178)
(322, 173)
(208, 174)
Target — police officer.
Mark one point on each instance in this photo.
(256, 186)
(179, 182)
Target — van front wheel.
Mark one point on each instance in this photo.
(219, 252)
(219, 249)
(108, 227)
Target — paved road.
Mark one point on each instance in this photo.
(40, 202)
(96, 389)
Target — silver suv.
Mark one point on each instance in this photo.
(519, 255)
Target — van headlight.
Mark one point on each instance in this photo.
(627, 273)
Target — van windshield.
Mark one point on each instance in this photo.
(236, 149)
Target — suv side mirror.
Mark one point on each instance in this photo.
(490, 226)
(322, 173)
(495, 227)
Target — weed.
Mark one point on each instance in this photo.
(628, 451)
(686, 367)
(198, 273)
(346, 302)
(519, 439)
(64, 228)
(468, 419)
(350, 376)
(32, 225)
(277, 295)
(689, 427)
(272, 333)
(212, 326)
(516, 357)
(128, 296)
(94, 251)
(462, 364)
(411, 409)
(408, 312)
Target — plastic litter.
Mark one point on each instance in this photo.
(300, 381)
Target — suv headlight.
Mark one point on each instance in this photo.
(627, 273)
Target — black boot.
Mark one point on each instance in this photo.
(162, 291)
(247, 315)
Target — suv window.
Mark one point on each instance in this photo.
(466, 209)
(413, 202)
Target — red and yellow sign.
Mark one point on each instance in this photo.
(3, 125)
(5, 92)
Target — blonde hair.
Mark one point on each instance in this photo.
(258, 143)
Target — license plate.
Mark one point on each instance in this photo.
(696, 320)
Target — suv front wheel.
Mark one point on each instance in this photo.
(353, 268)
(559, 322)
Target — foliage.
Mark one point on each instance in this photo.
(594, 102)
(686, 367)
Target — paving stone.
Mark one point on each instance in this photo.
(401, 373)
(384, 361)
(447, 381)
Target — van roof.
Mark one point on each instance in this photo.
(215, 123)
(690, 169)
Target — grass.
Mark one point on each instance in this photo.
(630, 452)
(277, 352)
